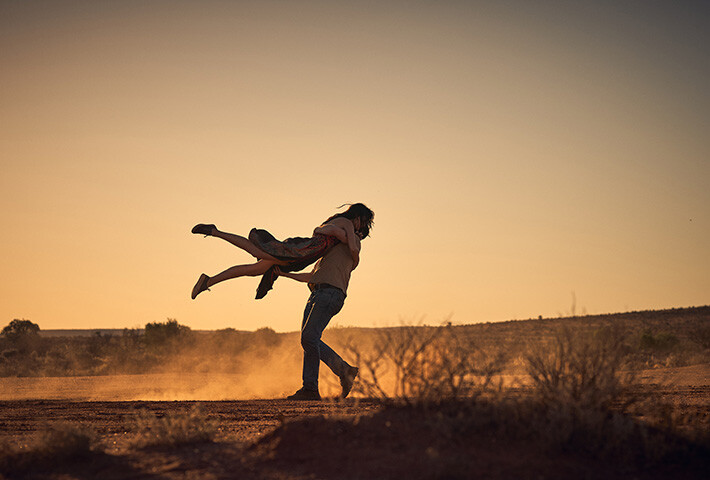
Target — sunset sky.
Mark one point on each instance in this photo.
(523, 158)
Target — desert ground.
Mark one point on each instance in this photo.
(194, 424)
(281, 439)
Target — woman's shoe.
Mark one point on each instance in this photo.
(203, 228)
(200, 286)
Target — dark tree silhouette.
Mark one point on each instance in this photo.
(19, 329)
(161, 333)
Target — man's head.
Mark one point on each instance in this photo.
(362, 218)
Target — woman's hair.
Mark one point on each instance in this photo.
(357, 210)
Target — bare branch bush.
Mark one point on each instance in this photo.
(422, 364)
(583, 391)
(580, 402)
(581, 368)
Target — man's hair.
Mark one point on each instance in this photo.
(358, 210)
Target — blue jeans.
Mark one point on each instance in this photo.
(321, 307)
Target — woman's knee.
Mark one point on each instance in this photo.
(261, 266)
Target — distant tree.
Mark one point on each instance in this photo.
(22, 335)
(160, 333)
(19, 329)
(267, 336)
(130, 337)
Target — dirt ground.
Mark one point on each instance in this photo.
(287, 440)
(240, 422)
(240, 425)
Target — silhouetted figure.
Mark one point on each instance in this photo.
(290, 255)
(328, 283)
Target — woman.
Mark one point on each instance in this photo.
(292, 254)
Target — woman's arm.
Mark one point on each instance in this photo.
(300, 277)
(356, 254)
(352, 242)
(356, 258)
(332, 231)
(338, 226)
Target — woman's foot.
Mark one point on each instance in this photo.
(200, 286)
(203, 228)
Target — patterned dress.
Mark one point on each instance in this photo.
(299, 252)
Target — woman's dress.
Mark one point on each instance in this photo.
(299, 252)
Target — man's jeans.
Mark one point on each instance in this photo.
(322, 305)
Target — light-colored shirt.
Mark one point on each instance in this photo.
(334, 268)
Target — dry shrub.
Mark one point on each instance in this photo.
(701, 336)
(576, 378)
(63, 442)
(586, 369)
(610, 436)
(413, 364)
(66, 441)
(178, 428)
(584, 400)
(579, 401)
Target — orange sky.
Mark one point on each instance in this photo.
(515, 156)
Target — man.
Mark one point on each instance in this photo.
(329, 285)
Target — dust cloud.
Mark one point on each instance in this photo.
(168, 361)
(222, 365)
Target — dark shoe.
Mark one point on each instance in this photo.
(200, 286)
(347, 380)
(203, 228)
(304, 394)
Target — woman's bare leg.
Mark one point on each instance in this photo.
(245, 244)
(251, 270)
